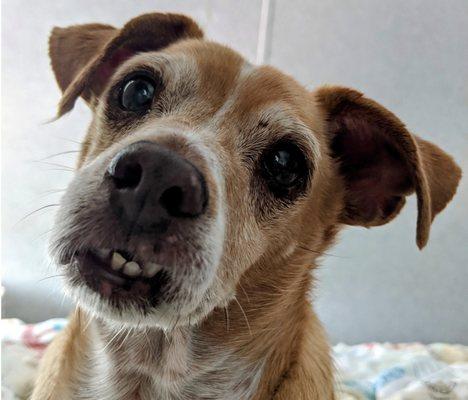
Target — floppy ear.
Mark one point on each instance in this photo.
(84, 57)
(382, 163)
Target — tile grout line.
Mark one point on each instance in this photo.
(263, 31)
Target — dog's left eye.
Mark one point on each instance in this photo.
(284, 166)
(137, 94)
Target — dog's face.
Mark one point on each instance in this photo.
(199, 167)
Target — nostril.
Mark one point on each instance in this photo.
(172, 200)
(127, 176)
(150, 185)
(187, 199)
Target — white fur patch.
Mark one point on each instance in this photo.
(188, 369)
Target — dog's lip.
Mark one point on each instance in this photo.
(116, 259)
(96, 268)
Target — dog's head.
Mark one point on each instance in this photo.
(199, 168)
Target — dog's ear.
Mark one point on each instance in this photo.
(382, 163)
(84, 57)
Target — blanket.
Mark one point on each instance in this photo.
(371, 371)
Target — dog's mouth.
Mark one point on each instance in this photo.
(120, 277)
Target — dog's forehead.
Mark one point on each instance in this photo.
(225, 81)
(227, 100)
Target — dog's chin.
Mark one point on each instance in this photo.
(157, 298)
(166, 316)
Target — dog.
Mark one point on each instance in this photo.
(206, 188)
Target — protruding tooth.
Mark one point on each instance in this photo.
(103, 253)
(132, 269)
(117, 261)
(151, 269)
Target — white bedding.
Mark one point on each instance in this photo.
(371, 371)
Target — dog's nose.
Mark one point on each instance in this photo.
(151, 185)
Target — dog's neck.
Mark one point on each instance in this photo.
(240, 352)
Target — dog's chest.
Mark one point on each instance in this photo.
(156, 368)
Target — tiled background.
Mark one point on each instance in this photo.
(412, 56)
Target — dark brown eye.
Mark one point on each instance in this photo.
(137, 94)
(284, 167)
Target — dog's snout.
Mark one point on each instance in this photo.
(152, 184)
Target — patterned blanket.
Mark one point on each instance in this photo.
(371, 371)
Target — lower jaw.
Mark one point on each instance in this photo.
(135, 303)
(118, 290)
(133, 314)
(130, 314)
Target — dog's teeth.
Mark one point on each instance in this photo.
(132, 269)
(151, 269)
(117, 261)
(103, 253)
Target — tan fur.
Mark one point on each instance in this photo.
(58, 363)
(264, 340)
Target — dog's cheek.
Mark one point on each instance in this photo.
(84, 217)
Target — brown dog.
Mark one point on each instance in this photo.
(206, 188)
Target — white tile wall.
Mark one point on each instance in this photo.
(409, 55)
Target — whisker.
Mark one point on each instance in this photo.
(148, 341)
(49, 192)
(46, 194)
(246, 295)
(50, 277)
(319, 253)
(90, 319)
(64, 296)
(68, 140)
(59, 169)
(245, 315)
(59, 154)
(177, 319)
(35, 211)
(226, 313)
(119, 331)
(43, 234)
(130, 330)
(66, 167)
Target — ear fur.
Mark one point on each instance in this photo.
(382, 163)
(72, 48)
(84, 57)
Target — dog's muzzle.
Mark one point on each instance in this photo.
(152, 193)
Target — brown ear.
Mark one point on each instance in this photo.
(84, 57)
(382, 163)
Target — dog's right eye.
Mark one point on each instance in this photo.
(137, 94)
